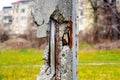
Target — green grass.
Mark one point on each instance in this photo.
(20, 64)
(25, 64)
(101, 72)
(19, 73)
(99, 56)
(106, 65)
(83, 45)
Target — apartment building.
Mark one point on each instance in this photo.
(1, 17)
(21, 16)
(118, 5)
(7, 17)
(85, 15)
(81, 15)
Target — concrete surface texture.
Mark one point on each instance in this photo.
(60, 11)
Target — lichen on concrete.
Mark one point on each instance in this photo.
(65, 63)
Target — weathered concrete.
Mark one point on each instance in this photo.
(42, 10)
(65, 63)
(45, 8)
(60, 11)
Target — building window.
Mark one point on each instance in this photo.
(16, 6)
(81, 9)
(5, 11)
(23, 11)
(10, 20)
(5, 18)
(23, 18)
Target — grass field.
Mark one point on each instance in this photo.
(93, 65)
(20, 64)
(99, 65)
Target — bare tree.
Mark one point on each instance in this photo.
(106, 21)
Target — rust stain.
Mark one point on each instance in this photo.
(71, 31)
(57, 50)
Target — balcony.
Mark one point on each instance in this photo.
(7, 21)
(7, 14)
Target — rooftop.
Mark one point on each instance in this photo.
(19, 1)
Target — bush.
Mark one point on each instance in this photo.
(4, 35)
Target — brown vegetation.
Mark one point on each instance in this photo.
(106, 27)
(108, 45)
(27, 40)
(4, 35)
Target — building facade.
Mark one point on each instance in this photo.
(7, 17)
(1, 17)
(21, 16)
(118, 5)
(85, 15)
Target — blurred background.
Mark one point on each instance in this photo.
(99, 40)
(17, 29)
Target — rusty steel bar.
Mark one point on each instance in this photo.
(52, 46)
(57, 50)
(71, 32)
(75, 39)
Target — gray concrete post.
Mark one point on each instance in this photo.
(54, 16)
(75, 38)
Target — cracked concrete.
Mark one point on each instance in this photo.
(60, 11)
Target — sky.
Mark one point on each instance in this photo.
(5, 3)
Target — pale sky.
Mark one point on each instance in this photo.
(5, 3)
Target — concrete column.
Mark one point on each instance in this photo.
(61, 62)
